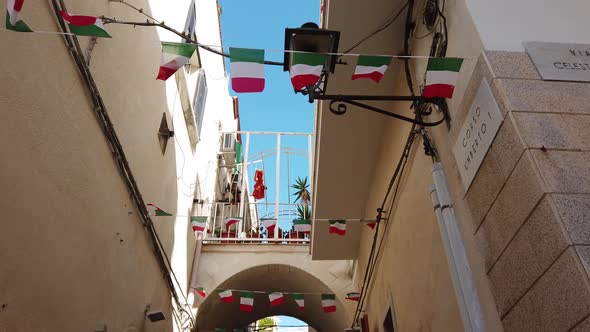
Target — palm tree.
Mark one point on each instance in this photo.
(302, 194)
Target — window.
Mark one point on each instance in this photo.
(191, 21)
(200, 101)
(389, 321)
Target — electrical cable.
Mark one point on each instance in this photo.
(373, 254)
(389, 21)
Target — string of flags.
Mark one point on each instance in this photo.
(247, 65)
(199, 223)
(246, 298)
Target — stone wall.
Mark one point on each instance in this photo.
(530, 200)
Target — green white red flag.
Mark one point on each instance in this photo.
(353, 296)
(269, 224)
(81, 25)
(246, 301)
(247, 69)
(174, 56)
(338, 227)
(299, 300)
(13, 21)
(199, 223)
(441, 75)
(226, 295)
(154, 210)
(329, 302)
(276, 298)
(371, 67)
(306, 69)
(302, 225)
(231, 221)
(200, 291)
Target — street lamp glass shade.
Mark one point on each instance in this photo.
(310, 38)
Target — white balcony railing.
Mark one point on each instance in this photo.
(250, 228)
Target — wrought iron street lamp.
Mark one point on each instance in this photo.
(310, 38)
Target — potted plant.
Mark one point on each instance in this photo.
(303, 196)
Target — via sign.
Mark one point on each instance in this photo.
(477, 134)
(559, 61)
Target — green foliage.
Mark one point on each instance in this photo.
(267, 322)
(302, 190)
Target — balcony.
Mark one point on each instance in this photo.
(250, 228)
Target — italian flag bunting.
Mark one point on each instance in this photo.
(226, 295)
(230, 221)
(302, 225)
(371, 67)
(247, 69)
(338, 227)
(85, 25)
(246, 301)
(174, 56)
(270, 224)
(441, 75)
(372, 224)
(199, 223)
(154, 210)
(299, 301)
(353, 296)
(306, 69)
(276, 299)
(200, 291)
(329, 302)
(13, 22)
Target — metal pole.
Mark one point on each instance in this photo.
(310, 161)
(461, 273)
(277, 186)
(244, 177)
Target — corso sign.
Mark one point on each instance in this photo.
(477, 134)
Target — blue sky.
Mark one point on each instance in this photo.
(261, 24)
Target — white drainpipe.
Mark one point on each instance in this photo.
(461, 273)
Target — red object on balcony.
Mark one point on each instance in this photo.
(229, 235)
(259, 188)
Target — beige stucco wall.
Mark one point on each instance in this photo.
(74, 252)
(413, 271)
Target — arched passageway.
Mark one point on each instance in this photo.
(213, 313)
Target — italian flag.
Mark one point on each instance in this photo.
(154, 210)
(247, 69)
(306, 69)
(338, 227)
(200, 291)
(230, 221)
(299, 300)
(225, 295)
(269, 224)
(276, 299)
(174, 56)
(13, 9)
(199, 223)
(353, 296)
(329, 302)
(246, 301)
(372, 224)
(371, 67)
(85, 25)
(302, 225)
(441, 75)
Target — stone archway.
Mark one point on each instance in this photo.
(212, 313)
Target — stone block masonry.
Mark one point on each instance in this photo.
(530, 199)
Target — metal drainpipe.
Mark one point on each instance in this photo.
(467, 297)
